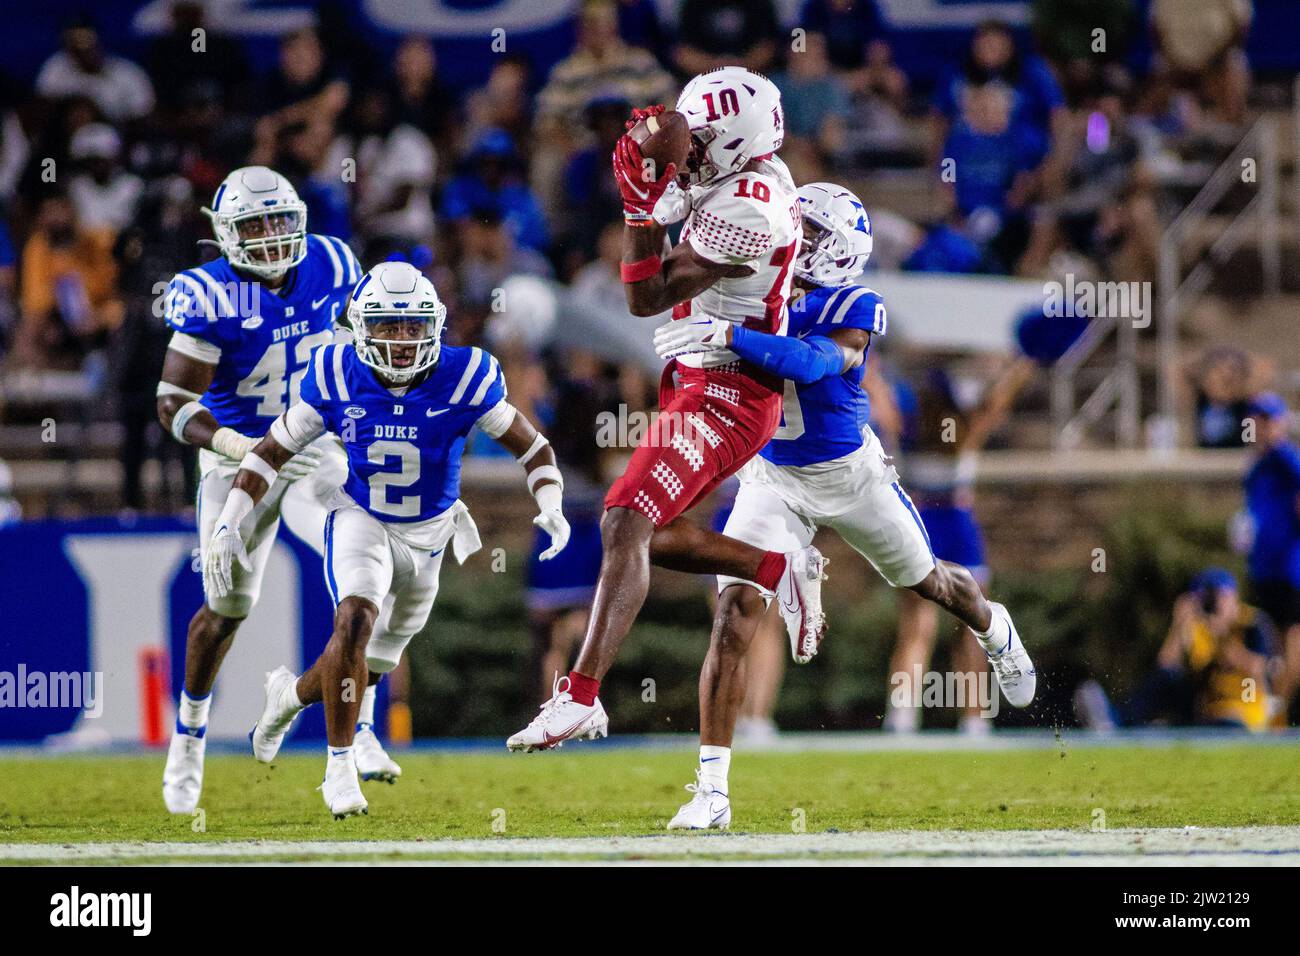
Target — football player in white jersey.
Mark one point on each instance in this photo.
(734, 263)
(823, 468)
(245, 326)
(403, 405)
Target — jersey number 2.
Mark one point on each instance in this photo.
(407, 506)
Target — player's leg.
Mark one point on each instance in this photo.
(760, 516)
(764, 671)
(373, 761)
(406, 610)
(693, 449)
(885, 527)
(210, 635)
(918, 622)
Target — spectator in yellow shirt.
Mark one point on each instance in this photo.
(68, 288)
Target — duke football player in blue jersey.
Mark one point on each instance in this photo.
(823, 467)
(403, 405)
(245, 326)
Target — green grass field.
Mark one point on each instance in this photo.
(630, 792)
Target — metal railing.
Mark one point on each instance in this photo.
(1118, 388)
(1176, 292)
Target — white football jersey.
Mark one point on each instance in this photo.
(747, 218)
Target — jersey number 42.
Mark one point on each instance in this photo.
(267, 379)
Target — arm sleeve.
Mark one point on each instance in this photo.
(498, 419)
(298, 427)
(800, 360)
(195, 348)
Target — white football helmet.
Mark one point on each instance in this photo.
(395, 298)
(259, 221)
(840, 244)
(735, 115)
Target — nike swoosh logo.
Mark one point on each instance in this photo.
(317, 303)
(643, 193)
(433, 413)
(548, 739)
(709, 759)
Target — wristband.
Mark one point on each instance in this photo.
(549, 498)
(538, 444)
(641, 269)
(182, 418)
(237, 507)
(544, 472)
(230, 444)
(254, 463)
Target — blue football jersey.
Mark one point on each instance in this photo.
(824, 420)
(403, 451)
(266, 338)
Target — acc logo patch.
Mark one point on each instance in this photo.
(354, 411)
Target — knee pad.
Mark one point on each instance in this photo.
(383, 651)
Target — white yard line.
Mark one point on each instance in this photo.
(1203, 847)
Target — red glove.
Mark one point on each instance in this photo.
(639, 113)
(639, 192)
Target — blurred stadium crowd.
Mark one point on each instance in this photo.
(1071, 159)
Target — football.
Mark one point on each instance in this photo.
(664, 139)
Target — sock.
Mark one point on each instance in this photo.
(367, 716)
(770, 570)
(289, 697)
(994, 639)
(192, 714)
(582, 688)
(714, 764)
(339, 753)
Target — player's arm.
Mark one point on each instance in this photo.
(185, 377)
(653, 283)
(514, 432)
(290, 436)
(804, 360)
(188, 369)
(652, 280)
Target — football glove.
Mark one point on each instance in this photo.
(302, 464)
(698, 333)
(553, 522)
(224, 549)
(633, 175)
(673, 206)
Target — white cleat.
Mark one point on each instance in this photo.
(708, 809)
(183, 775)
(342, 790)
(373, 763)
(799, 594)
(1012, 666)
(561, 718)
(268, 733)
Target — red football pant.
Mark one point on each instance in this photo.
(716, 420)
